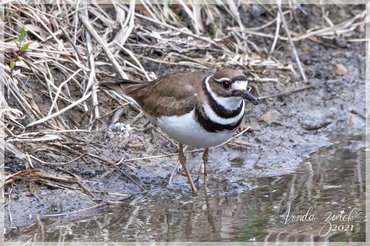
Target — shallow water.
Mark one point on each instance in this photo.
(324, 200)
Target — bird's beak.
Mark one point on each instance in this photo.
(249, 96)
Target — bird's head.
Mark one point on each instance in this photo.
(233, 84)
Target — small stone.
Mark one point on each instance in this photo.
(304, 47)
(237, 160)
(315, 122)
(313, 38)
(270, 116)
(340, 69)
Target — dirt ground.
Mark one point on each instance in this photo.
(294, 120)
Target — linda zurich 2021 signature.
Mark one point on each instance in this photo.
(332, 221)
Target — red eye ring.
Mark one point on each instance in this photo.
(226, 84)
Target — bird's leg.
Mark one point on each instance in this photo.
(205, 162)
(201, 170)
(182, 159)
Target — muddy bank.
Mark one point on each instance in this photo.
(330, 182)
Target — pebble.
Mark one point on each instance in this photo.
(270, 116)
(340, 69)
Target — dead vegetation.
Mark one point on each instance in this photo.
(54, 55)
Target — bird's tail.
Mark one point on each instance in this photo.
(119, 84)
(125, 87)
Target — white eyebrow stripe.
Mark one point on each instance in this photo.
(222, 79)
(240, 85)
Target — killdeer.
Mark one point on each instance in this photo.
(194, 109)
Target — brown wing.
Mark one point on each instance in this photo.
(174, 94)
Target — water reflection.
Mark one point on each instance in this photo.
(323, 200)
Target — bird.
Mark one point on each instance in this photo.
(198, 109)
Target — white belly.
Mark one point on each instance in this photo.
(186, 130)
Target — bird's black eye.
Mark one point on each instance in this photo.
(226, 84)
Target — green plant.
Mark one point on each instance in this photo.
(22, 47)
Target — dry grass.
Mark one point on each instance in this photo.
(54, 55)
